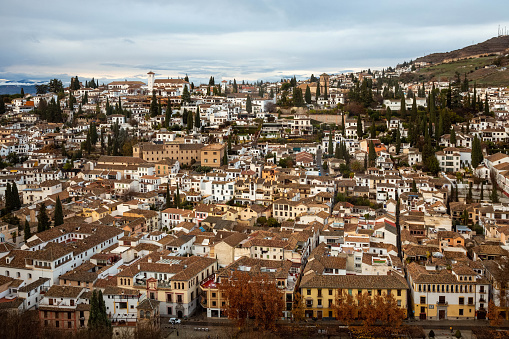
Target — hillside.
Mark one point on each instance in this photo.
(492, 46)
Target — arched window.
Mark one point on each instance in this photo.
(147, 315)
(142, 314)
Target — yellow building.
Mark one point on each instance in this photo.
(319, 292)
(212, 155)
(460, 293)
(173, 281)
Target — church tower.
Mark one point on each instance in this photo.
(150, 82)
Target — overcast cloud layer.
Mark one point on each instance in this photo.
(244, 39)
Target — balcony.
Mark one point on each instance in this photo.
(442, 303)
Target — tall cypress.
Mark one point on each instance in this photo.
(197, 118)
(360, 132)
(330, 148)
(307, 96)
(58, 217)
(8, 199)
(168, 200)
(27, 231)
(154, 107)
(43, 222)
(15, 197)
(486, 105)
(167, 117)
(249, 107)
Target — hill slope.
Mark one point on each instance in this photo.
(492, 46)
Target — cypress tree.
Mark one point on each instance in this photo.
(153, 105)
(372, 154)
(9, 204)
(402, 108)
(58, 217)
(317, 94)
(167, 117)
(307, 96)
(359, 127)
(477, 156)
(482, 192)
(27, 231)
(186, 97)
(469, 195)
(190, 121)
(414, 186)
(168, 200)
(330, 149)
(373, 130)
(494, 192)
(398, 141)
(343, 123)
(414, 109)
(15, 197)
(486, 106)
(197, 119)
(249, 107)
(225, 158)
(177, 197)
(43, 222)
(453, 137)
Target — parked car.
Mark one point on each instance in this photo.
(175, 321)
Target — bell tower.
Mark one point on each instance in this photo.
(150, 82)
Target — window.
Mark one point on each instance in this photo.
(460, 311)
(461, 301)
(308, 292)
(423, 300)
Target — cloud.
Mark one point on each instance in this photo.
(232, 39)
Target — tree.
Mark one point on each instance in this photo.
(298, 307)
(433, 165)
(153, 105)
(317, 94)
(307, 96)
(486, 106)
(58, 217)
(249, 107)
(469, 195)
(398, 141)
(186, 96)
(477, 156)
(360, 132)
(27, 231)
(402, 109)
(256, 297)
(167, 117)
(197, 118)
(177, 197)
(453, 137)
(8, 199)
(494, 185)
(43, 222)
(481, 198)
(16, 202)
(330, 148)
(190, 121)
(225, 158)
(297, 97)
(371, 154)
(98, 318)
(414, 186)
(93, 134)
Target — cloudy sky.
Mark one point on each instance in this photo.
(244, 39)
